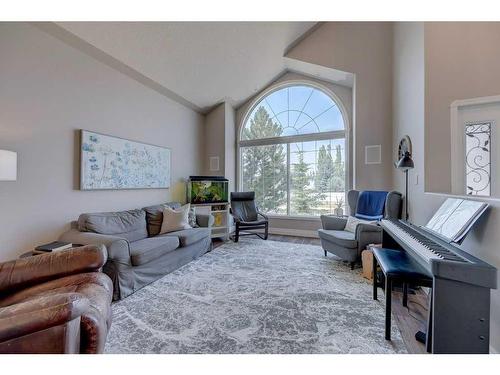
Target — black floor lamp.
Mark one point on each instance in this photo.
(406, 163)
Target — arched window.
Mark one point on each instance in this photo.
(292, 151)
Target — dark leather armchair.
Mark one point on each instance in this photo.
(247, 217)
(55, 303)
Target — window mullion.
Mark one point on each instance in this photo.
(288, 178)
(293, 139)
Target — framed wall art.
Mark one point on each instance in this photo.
(108, 162)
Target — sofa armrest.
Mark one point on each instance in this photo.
(40, 313)
(118, 247)
(23, 272)
(367, 234)
(205, 220)
(363, 227)
(331, 222)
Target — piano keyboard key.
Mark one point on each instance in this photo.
(422, 245)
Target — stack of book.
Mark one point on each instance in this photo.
(53, 246)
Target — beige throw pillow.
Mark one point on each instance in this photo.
(352, 223)
(174, 220)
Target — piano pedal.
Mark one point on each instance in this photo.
(420, 337)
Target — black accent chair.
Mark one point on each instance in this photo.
(246, 216)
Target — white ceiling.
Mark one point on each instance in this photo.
(203, 62)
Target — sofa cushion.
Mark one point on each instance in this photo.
(189, 236)
(175, 220)
(339, 237)
(154, 216)
(148, 249)
(130, 224)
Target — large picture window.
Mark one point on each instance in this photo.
(293, 152)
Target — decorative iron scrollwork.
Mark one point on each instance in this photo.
(478, 158)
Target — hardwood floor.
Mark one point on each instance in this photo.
(409, 320)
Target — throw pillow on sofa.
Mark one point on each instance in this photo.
(192, 218)
(175, 219)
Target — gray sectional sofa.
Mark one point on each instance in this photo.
(137, 253)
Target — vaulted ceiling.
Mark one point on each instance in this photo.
(202, 62)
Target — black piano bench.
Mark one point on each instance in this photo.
(396, 265)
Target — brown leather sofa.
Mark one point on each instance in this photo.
(55, 303)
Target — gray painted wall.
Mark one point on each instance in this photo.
(220, 141)
(365, 49)
(214, 139)
(230, 145)
(461, 63)
(49, 90)
(410, 113)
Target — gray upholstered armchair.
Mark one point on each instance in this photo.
(347, 245)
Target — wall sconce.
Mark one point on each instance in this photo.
(8, 165)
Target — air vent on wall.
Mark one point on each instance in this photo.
(373, 154)
(214, 163)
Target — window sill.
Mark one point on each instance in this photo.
(297, 218)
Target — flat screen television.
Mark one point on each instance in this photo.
(207, 189)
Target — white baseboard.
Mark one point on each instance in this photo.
(294, 232)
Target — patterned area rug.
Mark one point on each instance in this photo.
(254, 297)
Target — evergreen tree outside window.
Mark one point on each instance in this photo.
(293, 152)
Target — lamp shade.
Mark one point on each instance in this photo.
(406, 162)
(8, 165)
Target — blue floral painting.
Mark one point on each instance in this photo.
(114, 163)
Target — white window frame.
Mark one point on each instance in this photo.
(287, 140)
